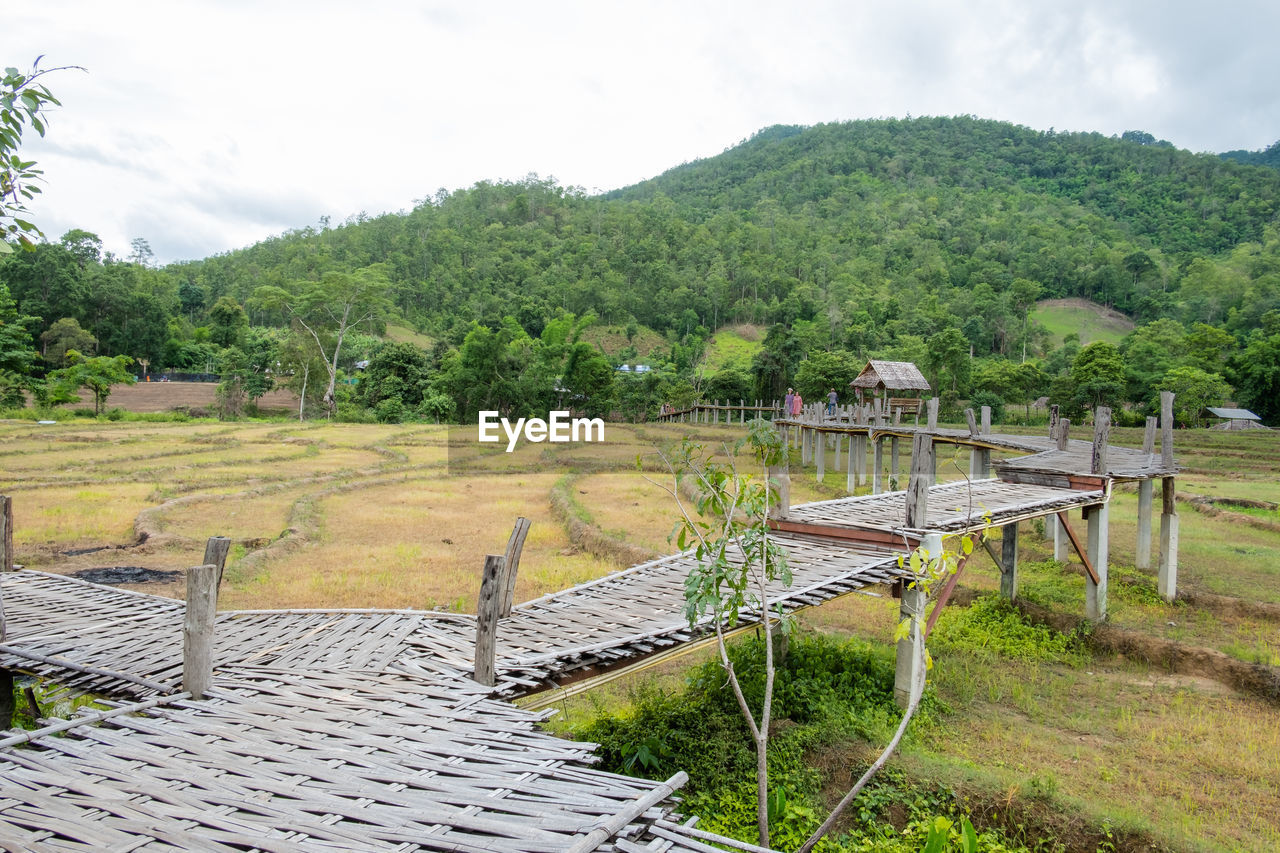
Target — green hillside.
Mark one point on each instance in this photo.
(1091, 322)
(916, 239)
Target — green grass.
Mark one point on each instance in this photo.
(731, 346)
(1090, 321)
(613, 340)
(405, 335)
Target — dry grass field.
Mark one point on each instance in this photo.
(391, 516)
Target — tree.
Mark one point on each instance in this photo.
(947, 359)
(140, 252)
(16, 352)
(227, 322)
(397, 371)
(1194, 389)
(1257, 375)
(23, 102)
(823, 370)
(736, 562)
(1098, 375)
(97, 374)
(64, 336)
(326, 310)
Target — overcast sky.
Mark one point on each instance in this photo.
(206, 126)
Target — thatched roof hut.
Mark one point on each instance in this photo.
(893, 376)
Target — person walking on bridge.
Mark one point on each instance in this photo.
(831, 403)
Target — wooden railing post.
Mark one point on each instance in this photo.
(1064, 433)
(511, 564)
(487, 620)
(215, 553)
(918, 485)
(1166, 429)
(197, 629)
(6, 533)
(1101, 435)
(1053, 421)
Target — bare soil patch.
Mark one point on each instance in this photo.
(180, 396)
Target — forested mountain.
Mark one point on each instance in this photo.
(927, 239)
(1269, 156)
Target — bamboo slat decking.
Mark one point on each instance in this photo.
(952, 507)
(345, 730)
(1042, 453)
(120, 643)
(284, 760)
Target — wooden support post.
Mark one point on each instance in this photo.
(1167, 582)
(877, 465)
(1081, 551)
(971, 421)
(861, 458)
(1053, 421)
(932, 423)
(917, 499)
(820, 454)
(1166, 430)
(511, 565)
(487, 620)
(835, 465)
(986, 420)
(1095, 588)
(1009, 561)
(1149, 437)
(1064, 433)
(7, 705)
(1101, 436)
(215, 553)
(910, 657)
(1142, 553)
(6, 533)
(197, 629)
(893, 459)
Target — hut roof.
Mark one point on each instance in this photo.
(893, 375)
(1233, 414)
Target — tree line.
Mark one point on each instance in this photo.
(928, 240)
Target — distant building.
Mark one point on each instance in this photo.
(1234, 419)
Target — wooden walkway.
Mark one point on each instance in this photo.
(349, 730)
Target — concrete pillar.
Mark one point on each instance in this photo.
(806, 442)
(835, 466)
(1095, 594)
(893, 459)
(860, 457)
(820, 454)
(1142, 554)
(851, 471)
(877, 465)
(910, 651)
(1167, 582)
(1009, 561)
(1061, 544)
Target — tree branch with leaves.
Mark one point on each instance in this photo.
(737, 560)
